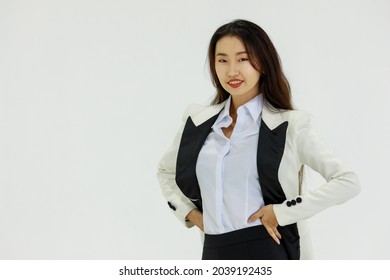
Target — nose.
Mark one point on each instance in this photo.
(233, 72)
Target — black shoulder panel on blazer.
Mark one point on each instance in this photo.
(269, 155)
(191, 143)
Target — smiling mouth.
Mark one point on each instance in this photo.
(235, 83)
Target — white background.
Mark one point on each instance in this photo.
(92, 93)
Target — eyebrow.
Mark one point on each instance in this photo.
(224, 54)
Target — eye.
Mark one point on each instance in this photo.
(221, 60)
(243, 59)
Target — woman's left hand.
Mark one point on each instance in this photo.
(269, 221)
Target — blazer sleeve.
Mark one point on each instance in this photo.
(166, 174)
(341, 182)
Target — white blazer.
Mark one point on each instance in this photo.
(286, 142)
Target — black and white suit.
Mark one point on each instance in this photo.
(286, 142)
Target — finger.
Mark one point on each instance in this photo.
(255, 216)
(277, 233)
(274, 228)
(272, 233)
(252, 218)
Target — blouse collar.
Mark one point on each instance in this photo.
(254, 107)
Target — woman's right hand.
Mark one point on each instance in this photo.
(196, 217)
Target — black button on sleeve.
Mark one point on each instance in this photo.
(288, 203)
(171, 206)
(293, 202)
(299, 199)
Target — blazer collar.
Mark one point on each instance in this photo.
(207, 113)
(271, 116)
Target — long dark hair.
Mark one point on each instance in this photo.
(263, 57)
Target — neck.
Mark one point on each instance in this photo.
(237, 101)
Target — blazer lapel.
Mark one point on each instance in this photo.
(195, 132)
(272, 139)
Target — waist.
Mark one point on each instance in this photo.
(235, 237)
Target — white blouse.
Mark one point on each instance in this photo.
(227, 170)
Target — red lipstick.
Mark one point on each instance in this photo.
(235, 83)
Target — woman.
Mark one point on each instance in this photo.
(235, 167)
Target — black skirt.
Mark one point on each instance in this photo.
(252, 243)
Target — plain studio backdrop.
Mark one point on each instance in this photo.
(92, 94)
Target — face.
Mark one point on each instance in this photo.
(234, 70)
